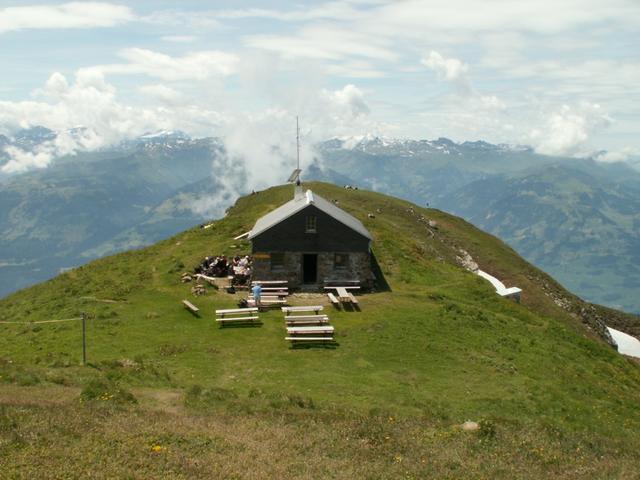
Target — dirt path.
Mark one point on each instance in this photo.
(169, 401)
(38, 395)
(164, 400)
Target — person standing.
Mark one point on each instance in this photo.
(257, 292)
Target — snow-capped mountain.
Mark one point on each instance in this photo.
(80, 139)
(372, 144)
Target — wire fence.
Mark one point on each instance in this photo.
(42, 321)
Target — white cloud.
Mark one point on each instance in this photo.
(200, 20)
(259, 144)
(89, 102)
(325, 42)
(499, 65)
(20, 160)
(349, 101)
(66, 15)
(491, 102)
(65, 143)
(457, 73)
(261, 148)
(57, 84)
(192, 66)
(622, 155)
(265, 142)
(450, 69)
(567, 130)
(413, 18)
(341, 10)
(162, 93)
(179, 38)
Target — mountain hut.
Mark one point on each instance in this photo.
(309, 241)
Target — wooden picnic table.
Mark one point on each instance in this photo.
(309, 339)
(299, 321)
(348, 287)
(343, 294)
(312, 308)
(242, 315)
(236, 310)
(309, 330)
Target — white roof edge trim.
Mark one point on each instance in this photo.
(294, 206)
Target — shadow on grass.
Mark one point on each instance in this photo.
(350, 307)
(229, 325)
(324, 344)
(381, 284)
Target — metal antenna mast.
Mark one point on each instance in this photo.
(295, 176)
(298, 141)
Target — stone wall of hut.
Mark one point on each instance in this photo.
(358, 268)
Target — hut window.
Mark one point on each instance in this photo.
(310, 226)
(277, 261)
(340, 261)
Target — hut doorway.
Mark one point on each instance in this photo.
(309, 268)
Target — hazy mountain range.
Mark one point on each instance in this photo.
(578, 219)
(93, 204)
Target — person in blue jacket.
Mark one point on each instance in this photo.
(256, 290)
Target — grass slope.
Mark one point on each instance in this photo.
(417, 361)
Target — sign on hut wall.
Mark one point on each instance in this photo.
(262, 256)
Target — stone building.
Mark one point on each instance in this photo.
(309, 241)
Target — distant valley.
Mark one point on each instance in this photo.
(95, 204)
(578, 219)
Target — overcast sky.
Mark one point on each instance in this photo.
(560, 75)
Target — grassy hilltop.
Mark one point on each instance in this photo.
(168, 394)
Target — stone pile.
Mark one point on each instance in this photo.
(198, 290)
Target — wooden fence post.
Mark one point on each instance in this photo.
(84, 338)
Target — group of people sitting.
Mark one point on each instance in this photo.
(240, 268)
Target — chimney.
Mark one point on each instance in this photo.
(297, 191)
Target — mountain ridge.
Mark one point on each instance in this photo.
(435, 350)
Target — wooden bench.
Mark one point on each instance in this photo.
(283, 283)
(268, 295)
(353, 299)
(190, 306)
(304, 317)
(333, 299)
(309, 339)
(280, 301)
(243, 315)
(306, 320)
(313, 308)
(236, 310)
(269, 302)
(351, 284)
(310, 330)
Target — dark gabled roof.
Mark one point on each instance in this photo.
(303, 201)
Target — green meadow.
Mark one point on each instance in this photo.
(168, 394)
